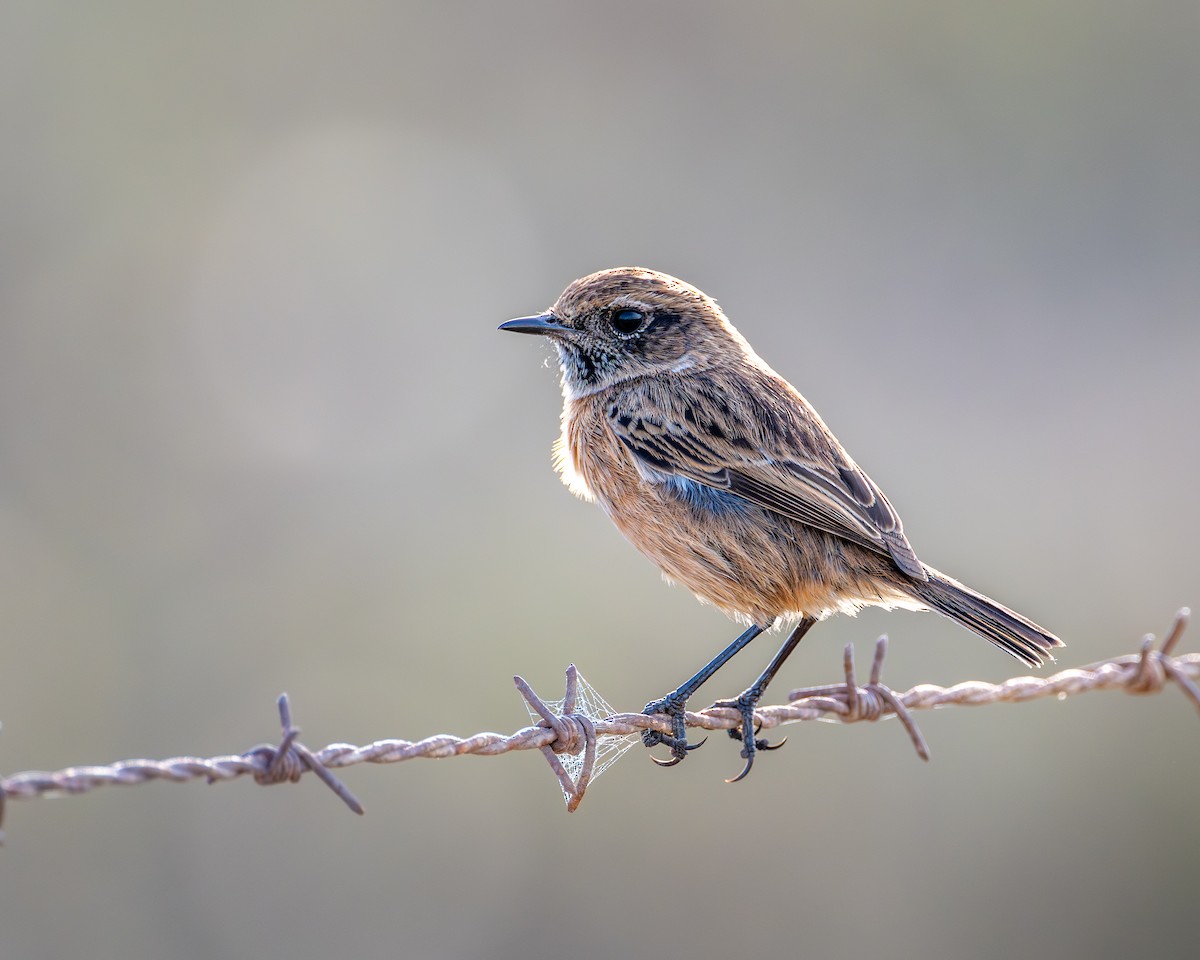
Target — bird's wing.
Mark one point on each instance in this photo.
(771, 449)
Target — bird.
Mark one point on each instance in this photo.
(719, 471)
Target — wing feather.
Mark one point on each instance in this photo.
(814, 483)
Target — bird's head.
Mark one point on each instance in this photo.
(630, 322)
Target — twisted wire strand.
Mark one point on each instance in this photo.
(1146, 672)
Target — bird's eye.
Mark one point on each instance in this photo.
(627, 321)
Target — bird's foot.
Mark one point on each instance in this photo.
(744, 705)
(672, 706)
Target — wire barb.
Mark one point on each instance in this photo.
(288, 762)
(850, 703)
(1156, 667)
(569, 728)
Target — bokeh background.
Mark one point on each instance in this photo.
(257, 433)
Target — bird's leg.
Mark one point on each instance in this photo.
(675, 703)
(749, 698)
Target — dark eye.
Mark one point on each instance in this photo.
(627, 321)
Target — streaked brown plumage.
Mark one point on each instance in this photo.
(716, 468)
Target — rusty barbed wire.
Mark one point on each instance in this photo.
(569, 732)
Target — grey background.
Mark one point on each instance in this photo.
(257, 433)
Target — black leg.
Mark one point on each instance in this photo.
(674, 703)
(749, 698)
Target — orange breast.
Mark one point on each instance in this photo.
(748, 562)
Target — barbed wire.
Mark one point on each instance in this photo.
(563, 731)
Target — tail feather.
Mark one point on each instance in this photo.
(1007, 629)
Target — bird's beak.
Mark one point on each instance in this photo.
(543, 323)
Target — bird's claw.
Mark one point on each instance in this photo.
(748, 731)
(673, 708)
(679, 750)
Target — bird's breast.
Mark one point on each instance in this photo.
(589, 458)
(596, 465)
(689, 530)
(745, 560)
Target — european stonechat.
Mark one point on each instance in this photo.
(718, 470)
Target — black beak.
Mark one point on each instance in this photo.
(543, 323)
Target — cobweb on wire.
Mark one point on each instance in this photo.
(590, 704)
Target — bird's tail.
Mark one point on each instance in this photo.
(1006, 628)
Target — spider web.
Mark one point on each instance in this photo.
(588, 703)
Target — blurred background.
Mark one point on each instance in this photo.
(258, 433)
